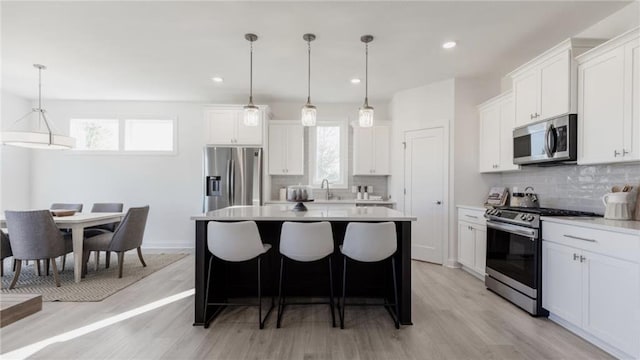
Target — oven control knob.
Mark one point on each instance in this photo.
(492, 211)
(498, 212)
(530, 218)
(523, 216)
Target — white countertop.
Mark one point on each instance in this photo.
(345, 201)
(472, 207)
(283, 213)
(621, 226)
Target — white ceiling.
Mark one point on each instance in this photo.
(170, 50)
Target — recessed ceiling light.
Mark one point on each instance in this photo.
(355, 81)
(449, 45)
(217, 79)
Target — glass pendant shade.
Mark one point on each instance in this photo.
(251, 115)
(365, 116)
(309, 115)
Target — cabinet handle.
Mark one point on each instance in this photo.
(579, 238)
(624, 152)
(537, 115)
(616, 153)
(471, 216)
(582, 258)
(530, 116)
(575, 257)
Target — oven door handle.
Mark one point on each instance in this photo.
(513, 229)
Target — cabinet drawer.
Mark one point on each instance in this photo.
(622, 246)
(472, 216)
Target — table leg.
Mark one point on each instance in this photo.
(77, 235)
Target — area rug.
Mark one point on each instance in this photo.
(96, 286)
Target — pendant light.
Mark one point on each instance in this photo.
(251, 112)
(365, 115)
(33, 139)
(308, 110)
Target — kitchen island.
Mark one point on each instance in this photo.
(238, 279)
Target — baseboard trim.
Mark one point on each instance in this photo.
(452, 263)
(168, 250)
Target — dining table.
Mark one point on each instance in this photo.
(77, 223)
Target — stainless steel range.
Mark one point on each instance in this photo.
(514, 248)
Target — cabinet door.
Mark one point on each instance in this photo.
(490, 138)
(601, 103)
(554, 86)
(612, 301)
(466, 244)
(277, 149)
(381, 150)
(632, 102)
(295, 150)
(248, 135)
(220, 127)
(507, 124)
(525, 92)
(480, 235)
(562, 282)
(362, 151)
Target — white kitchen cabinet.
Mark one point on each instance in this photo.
(608, 94)
(496, 134)
(545, 87)
(591, 283)
(371, 147)
(472, 241)
(225, 126)
(286, 149)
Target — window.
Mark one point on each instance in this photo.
(130, 135)
(328, 153)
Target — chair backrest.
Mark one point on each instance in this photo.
(107, 207)
(129, 234)
(5, 248)
(61, 206)
(306, 241)
(34, 235)
(237, 241)
(370, 242)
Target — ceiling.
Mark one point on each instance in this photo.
(169, 51)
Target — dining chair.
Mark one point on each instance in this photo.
(127, 236)
(35, 236)
(5, 250)
(63, 206)
(105, 228)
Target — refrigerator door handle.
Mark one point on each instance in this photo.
(232, 182)
(228, 181)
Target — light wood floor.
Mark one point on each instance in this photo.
(454, 316)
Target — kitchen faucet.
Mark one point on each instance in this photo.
(329, 194)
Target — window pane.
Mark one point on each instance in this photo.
(148, 135)
(94, 134)
(327, 154)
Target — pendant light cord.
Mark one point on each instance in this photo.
(366, 74)
(308, 72)
(251, 74)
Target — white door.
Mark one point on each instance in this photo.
(295, 150)
(525, 92)
(490, 138)
(554, 86)
(631, 149)
(562, 281)
(424, 179)
(507, 123)
(277, 149)
(362, 147)
(480, 236)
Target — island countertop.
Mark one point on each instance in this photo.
(283, 213)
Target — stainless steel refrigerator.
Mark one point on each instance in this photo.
(232, 176)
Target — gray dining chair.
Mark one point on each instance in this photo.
(127, 236)
(101, 229)
(35, 236)
(63, 206)
(5, 250)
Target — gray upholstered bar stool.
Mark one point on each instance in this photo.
(236, 242)
(305, 242)
(370, 242)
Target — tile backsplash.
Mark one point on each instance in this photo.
(574, 187)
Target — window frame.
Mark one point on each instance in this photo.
(344, 153)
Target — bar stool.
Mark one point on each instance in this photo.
(236, 242)
(305, 242)
(370, 242)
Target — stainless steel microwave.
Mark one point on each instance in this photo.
(544, 142)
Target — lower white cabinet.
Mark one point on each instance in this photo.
(591, 282)
(472, 241)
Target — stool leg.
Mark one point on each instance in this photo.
(331, 304)
(260, 322)
(280, 298)
(344, 287)
(395, 293)
(206, 292)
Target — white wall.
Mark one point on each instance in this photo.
(615, 24)
(171, 185)
(15, 162)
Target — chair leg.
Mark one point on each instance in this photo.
(96, 258)
(63, 262)
(38, 267)
(85, 260)
(55, 271)
(331, 304)
(344, 287)
(140, 257)
(395, 293)
(280, 298)
(14, 265)
(206, 294)
(260, 322)
(16, 275)
(107, 259)
(120, 263)
(2, 267)
(46, 266)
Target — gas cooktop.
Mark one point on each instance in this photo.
(530, 217)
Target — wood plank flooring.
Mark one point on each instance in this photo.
(14, 307)
(454, 317)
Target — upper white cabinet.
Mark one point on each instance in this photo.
(546, 86)
(371, 147)
(496, 134)
(225, 126)
(286, 149)
(608, 101)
